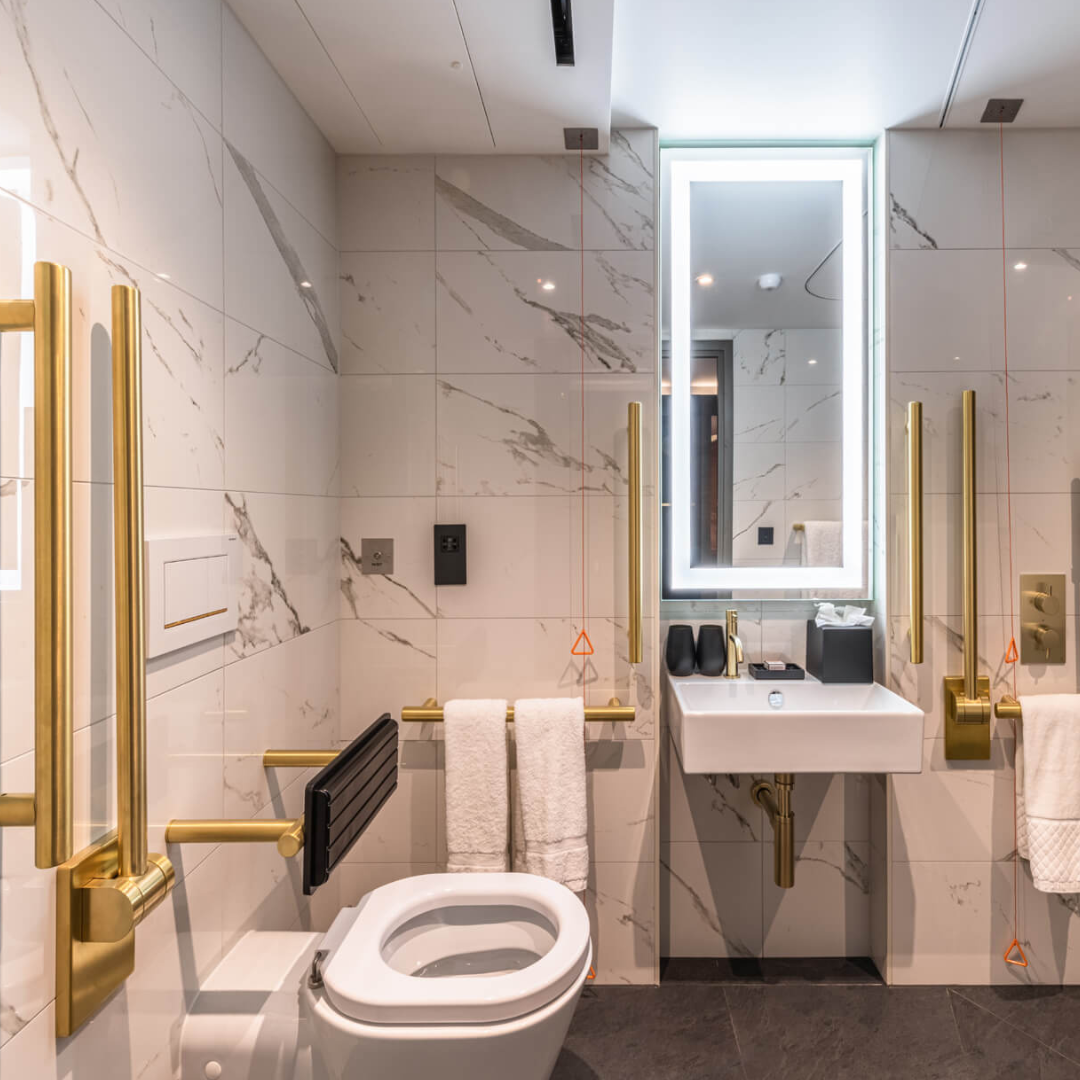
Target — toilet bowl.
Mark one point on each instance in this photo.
(451, 975)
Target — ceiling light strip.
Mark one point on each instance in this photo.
(961, 60)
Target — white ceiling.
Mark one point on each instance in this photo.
(377, 75)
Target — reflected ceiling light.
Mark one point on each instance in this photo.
(547, 286)
(768, 282)
(165, 277)
(811, 361)
(305, 284)
(704, 279)
(1020, 266)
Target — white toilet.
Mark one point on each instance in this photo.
(451, 975)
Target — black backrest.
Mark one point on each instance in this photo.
(341, 801)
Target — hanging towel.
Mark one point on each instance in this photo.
(550, 817)
(476, 787)
(824, 546)
(1048, 790)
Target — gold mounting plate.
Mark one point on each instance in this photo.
(966, 740)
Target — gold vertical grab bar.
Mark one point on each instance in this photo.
(636, 536)
(49, 808)
(915, 527)
(967, 697)
(106, 890)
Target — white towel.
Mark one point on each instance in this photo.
(1048, 790)
(550, 816)
(476, 787)
(824, 543)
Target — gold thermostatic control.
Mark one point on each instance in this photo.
(1042, 618)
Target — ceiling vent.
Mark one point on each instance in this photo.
(1001, 110)
(563, 26)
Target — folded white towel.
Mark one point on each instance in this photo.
(476, 786)
(824, 543)
(1048, 790)
(550, 816)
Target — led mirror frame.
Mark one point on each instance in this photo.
(851, 173)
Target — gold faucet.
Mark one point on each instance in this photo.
(734, 645)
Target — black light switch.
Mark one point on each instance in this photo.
(450, 558)
(765, 534)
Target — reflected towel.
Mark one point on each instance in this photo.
(824, 543)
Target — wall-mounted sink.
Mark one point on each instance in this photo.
(748, 726)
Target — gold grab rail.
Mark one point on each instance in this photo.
(636, 534)
(1008, 708)
(967, 698)
(49, 808)
(107, 889)
(431, 712)
(915, 527)
(287, 833)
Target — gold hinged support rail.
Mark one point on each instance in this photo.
(49, 808)
(431, 712)
(286, 833)
(107, 889)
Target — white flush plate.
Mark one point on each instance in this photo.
(191, 589)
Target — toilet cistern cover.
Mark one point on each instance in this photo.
(362, 984)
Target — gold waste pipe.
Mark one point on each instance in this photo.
(776, 802)
(967, 697)
(49, 808)
(106, 890)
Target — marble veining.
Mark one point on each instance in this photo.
(707, 914)
(898, 213)
(354, 580)
(383, 630)
(305, 290)
(468, 208)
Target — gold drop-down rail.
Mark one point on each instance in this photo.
(967, 697)
(49, 808)
(431, 712)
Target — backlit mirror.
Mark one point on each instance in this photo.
(764, 378)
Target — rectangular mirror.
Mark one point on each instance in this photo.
(765, 328)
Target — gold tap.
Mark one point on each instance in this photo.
(734, 645)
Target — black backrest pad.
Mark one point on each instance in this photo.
(342, 800)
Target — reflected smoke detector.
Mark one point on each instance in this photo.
(769, 282)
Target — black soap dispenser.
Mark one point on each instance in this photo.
(711, 650)
(680, 649)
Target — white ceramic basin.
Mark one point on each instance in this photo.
(736, 726)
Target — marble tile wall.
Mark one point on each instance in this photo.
(150, 142)
(786, 440)
(951, 839)
(717, 894)
(461, 402)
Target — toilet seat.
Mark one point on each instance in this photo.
(387, 956)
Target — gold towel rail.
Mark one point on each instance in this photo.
(287, 833)
(636, 554)
(106, 890)
(431, 712)
(915, 528)
(799, 526)
(49, 808)
(1008, 708)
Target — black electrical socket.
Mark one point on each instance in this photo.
(765, 534)
(450, 558)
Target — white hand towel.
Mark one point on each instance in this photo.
(551, 820)
(476, 787)
(1048, 790)
(824, 543)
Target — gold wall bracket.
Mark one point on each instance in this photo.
(776, 802)
(967, 720)
(1042, 619)
(49, 809)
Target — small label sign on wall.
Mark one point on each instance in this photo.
(377, 556)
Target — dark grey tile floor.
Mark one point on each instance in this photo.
(798, 1030)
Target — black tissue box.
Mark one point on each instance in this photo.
(840, 653)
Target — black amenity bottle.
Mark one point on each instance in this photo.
(680, 649)
(711, 650)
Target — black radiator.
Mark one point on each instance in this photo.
(342, 800)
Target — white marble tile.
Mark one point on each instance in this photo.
(701, 913)
(404, 830)
(407, 593)
(975, 798)
(534, 203)
(281, 274)
(280, 698)
(358, 879)
(759, 357)
(387, 434)
(387, 313)
(495, 312)
(1045, 447)
(518, 557)
(758, 472)
(759, 414)
(821, 346)
(17, 618)
(386, 203)
(832, 808)
(505, 435)
(289, 579)
(622, 913)
(385, 665)
(814, 471)
(607, 401)
(746, 519)
(812, 414)
(1049, 924)
(281, 413)
(185, 45)
(621, 781)
(827, 913)
(783, 631)
(156, 199)
(290, 152)
(950, 922)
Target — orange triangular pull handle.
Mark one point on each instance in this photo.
(1011, 655)
(583, 646)
(1021, 960)
(592, 972)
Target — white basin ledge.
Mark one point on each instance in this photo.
(729, 726)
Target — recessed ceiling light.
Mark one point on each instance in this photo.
(768, 282)
(305, 284)
(811, 361)
(704, 279)
(1020, 266)
(547, 286)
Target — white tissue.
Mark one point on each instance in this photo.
(829, 615)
